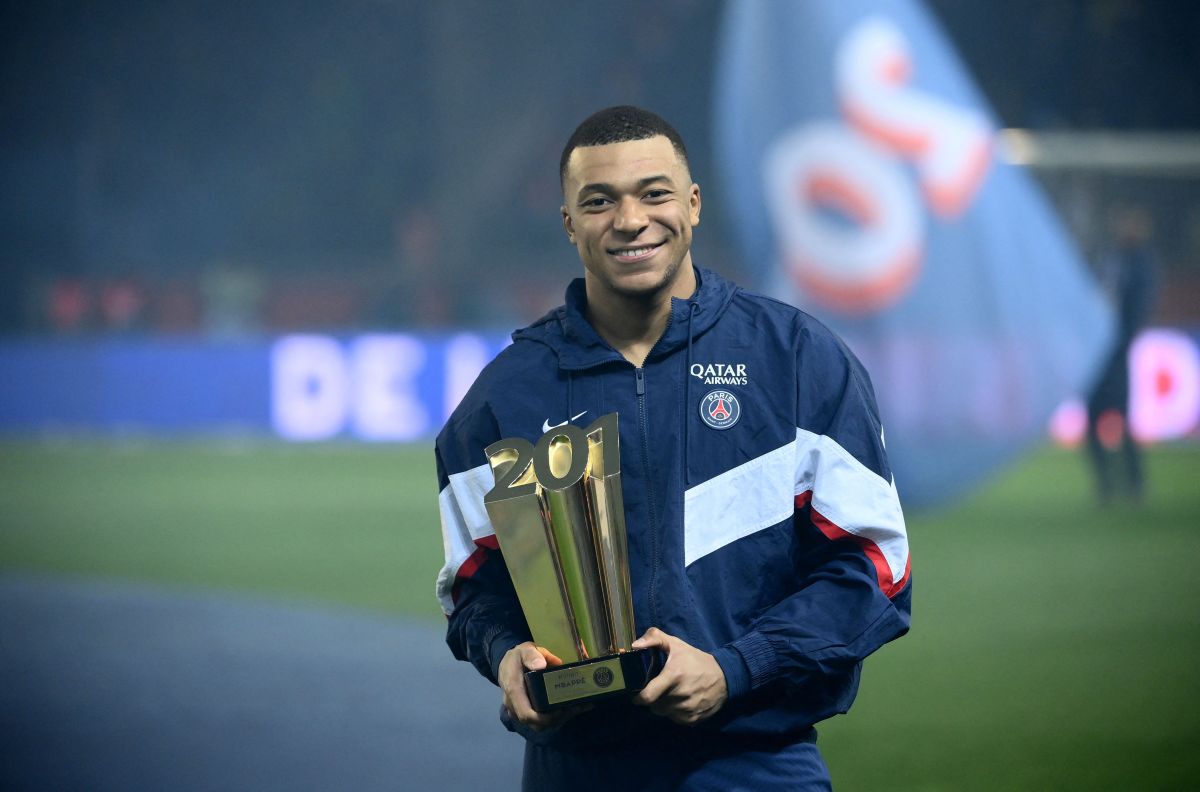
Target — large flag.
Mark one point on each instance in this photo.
(859, 166)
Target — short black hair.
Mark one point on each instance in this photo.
(618, 125)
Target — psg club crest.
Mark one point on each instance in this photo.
(720, 409)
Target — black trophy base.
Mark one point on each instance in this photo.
(592, 680)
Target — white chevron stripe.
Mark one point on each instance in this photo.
(745, 499)
(464, 519)
(761, 493)
(852, 496)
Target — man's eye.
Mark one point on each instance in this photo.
(657, 194)
(593, 203)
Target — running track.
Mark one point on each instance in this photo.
(115, 686)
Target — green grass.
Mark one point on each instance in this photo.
(354, 525)
(1054, 642)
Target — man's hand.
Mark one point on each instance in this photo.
(691, 686)
(516, 661)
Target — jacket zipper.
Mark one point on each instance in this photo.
(640, 383)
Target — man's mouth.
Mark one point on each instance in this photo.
(638, 253)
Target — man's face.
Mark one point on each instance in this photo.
(629, 209)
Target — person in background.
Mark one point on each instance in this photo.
(1129, 274)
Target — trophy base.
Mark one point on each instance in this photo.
(591, 680)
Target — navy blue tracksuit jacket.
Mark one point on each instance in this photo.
(764, 525)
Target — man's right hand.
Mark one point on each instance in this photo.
(516, 661)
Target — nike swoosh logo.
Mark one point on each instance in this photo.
(546, 427)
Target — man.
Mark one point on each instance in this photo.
(1130, 275)
(767, 547)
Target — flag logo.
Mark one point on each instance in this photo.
(848, 198)
(869, 192)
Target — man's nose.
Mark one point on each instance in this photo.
(631, 217)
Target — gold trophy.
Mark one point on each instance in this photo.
(560, 520)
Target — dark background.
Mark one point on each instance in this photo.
(237, 167)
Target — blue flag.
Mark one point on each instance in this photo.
(859, 165)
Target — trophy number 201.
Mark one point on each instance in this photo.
(561, 457)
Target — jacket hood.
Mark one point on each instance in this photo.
(567, 331)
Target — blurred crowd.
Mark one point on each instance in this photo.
(238, 170)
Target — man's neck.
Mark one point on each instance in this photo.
(632, 324)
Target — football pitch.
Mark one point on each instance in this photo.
(1052, 637)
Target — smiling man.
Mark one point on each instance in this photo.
(630, 209)
(767, 547)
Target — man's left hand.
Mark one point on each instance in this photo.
(691, 685)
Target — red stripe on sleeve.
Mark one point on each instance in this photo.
(833, 532)
(473, 562)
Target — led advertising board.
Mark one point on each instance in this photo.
(390, 387)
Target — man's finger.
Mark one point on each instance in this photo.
(669, 706)
(532, 658)
(653, 637)
(512, 682)
(529, 657)
(540, 721)
(658, 687)
(519, 705)
(551, 658)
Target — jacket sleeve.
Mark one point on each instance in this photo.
(853, 592)
(484, 618)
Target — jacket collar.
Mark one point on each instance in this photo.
(567, 331)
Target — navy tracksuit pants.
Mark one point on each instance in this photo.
(702, 766)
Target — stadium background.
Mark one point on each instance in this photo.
(186, 187)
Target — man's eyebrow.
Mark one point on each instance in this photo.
(608, 189)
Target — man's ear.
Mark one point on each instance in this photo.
(694, 204)
(568, 224)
